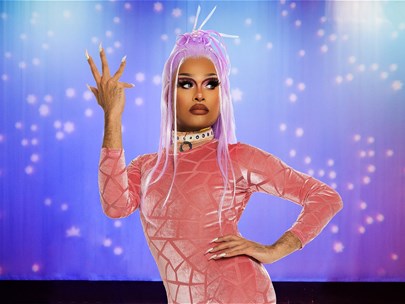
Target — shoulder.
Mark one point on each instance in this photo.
(247, 153)
(143, 159)
(241, 147)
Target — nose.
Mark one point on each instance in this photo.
(199, 97)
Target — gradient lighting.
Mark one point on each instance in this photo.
(357, 15)
(318, 84)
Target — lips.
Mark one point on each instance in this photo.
(199, 109)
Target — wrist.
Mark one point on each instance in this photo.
(113, 118)
(272, 254)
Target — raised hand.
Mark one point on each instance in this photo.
(110, 96)
(109, 91)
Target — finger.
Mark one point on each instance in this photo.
(226, 245)
(216, 257)
(93, 68)
(127, 85)
(234, 250)
(90, 88)
(226, 255)
(237, 250)
(225, 238)
(241, 249)
(93, 90)
(120, 70)
(104, 63)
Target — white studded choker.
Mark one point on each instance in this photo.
(187, 140)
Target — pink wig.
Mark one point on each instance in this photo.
(198, 43)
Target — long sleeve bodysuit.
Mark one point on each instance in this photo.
(179, 230)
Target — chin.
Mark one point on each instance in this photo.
(193, 127)
(195, 123)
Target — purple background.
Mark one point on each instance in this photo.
(318, 84)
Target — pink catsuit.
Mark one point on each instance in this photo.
(179, 233)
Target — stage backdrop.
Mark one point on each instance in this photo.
(318, 84)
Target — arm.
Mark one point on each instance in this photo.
(234, 245)
(112, 175)
(285, 245)
(112, 132)
(119, 185)
(111, 98)
(265, 173)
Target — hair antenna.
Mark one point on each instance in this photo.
(196, 18)
(208, 17)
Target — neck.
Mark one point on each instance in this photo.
(192, 139)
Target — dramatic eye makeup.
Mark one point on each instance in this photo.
(185, 83)
(188, 83)
(211, 83)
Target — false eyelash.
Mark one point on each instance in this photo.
(214, 82)
(211, 81)
(182, 82)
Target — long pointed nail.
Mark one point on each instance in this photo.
(124, 58)
(88, 87)
(87, 55)
(209, 250)
(132, 84)
(214, 240)
(221, 255)
(100, 47)
(212, 257)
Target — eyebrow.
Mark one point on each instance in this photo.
(191, 75)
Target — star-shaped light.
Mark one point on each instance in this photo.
(73, 232)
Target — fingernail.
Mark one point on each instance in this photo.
(209, 250)
(124, 58)
(88, 87)
(132, 84)
(87, 55)
(100, 47)
(221, 255)
(212, 257)
(214, 240)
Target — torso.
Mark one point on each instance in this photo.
(179, 231)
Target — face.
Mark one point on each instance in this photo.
(197, 95)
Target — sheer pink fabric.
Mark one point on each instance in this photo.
(179, 233)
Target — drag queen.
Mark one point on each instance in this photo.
(192, 192)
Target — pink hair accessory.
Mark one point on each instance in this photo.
(203, 37)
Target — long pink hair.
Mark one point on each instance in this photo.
(198, 43)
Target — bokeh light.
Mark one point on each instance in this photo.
(319, 84)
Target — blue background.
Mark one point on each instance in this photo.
(317, 83)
